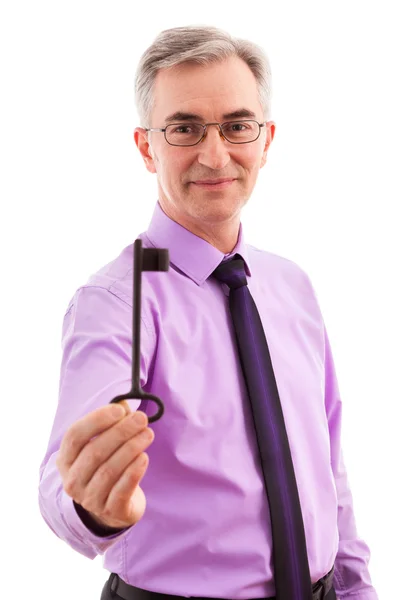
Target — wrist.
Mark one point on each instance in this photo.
(94, 524)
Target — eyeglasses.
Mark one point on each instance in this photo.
(190, 134)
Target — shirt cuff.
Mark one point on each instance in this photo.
(99, 541)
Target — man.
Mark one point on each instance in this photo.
(212, 518)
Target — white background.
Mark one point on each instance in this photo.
(74, 192)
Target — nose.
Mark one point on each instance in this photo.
(213, 149)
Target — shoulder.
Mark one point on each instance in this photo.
(269, 264)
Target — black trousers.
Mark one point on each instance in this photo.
(107, 594)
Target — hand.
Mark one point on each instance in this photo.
(102, 461)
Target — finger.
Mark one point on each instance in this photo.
(120, 498)
(83, 430)
(99, 450)
(98, 489)
(126, 406)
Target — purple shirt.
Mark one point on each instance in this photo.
(207, 530)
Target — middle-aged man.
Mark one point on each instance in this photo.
(245, 494)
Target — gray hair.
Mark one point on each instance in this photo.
(198, 45)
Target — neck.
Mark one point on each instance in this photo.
(222, 235)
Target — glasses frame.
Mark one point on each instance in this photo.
(205, 126)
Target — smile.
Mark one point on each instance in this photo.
(214, 186)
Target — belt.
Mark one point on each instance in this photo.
(129, 592)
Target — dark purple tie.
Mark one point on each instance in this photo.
(291, 569)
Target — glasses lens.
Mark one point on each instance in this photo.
(239, 132)
(184, 134)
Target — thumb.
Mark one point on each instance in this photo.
(126, 406)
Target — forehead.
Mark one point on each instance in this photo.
(207, 90)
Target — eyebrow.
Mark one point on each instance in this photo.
(179, 116)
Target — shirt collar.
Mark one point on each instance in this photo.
(194, 256)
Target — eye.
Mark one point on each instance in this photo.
(237, 126)
(185, 129)
(182, 129)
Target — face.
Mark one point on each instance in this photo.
(211, 92)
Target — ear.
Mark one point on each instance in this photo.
(270, 127)
(141, 140)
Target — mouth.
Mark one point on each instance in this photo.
(216, 184)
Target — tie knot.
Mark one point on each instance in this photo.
(232, 272)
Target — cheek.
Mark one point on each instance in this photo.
(173, 172)
(179, 167)
(174, 161)
(249, 157)
(250, 161)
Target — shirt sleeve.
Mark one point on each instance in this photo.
(351, 579)
(96, 366)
